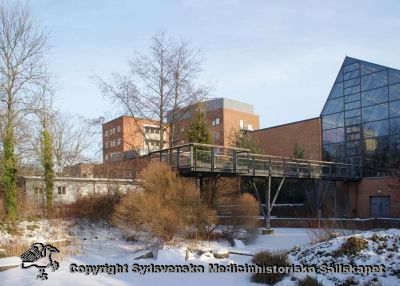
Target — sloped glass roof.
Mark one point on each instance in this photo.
(361, 116)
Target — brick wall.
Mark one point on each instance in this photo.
(356, 196)
(280, 140)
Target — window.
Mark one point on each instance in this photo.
(351, 67)
(377, 147)
(106, 144)
(374, 96)
(352, 82)
(112, 143)
(119, 129)
(38, 191)
(333, 136)
(106, 133)
(337, 91)
(394, 91)
(367, 68)
(333, 106)
(250, 127)
(352, 97)
(376, 129)
(241, 124)
(353, 147)
(333, 120)
(352, 105)
(374, 80)
(351, 74)
(61, 190)
(119, 141)
(395, 126)
(217, 121)
(375, 112)
(351, 90)
(353, 120)
(213, 123)
(340, 76)
(352, 113)
(152, 130)
(394, 76)
(394, 108)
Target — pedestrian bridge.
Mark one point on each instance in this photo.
(207, 160)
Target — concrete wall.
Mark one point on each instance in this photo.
(280, 140)
(74, 188)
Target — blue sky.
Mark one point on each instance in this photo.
(281, 56)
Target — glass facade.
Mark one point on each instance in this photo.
(361, 117)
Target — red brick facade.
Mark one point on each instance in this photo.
(356, 196)
(280, 140)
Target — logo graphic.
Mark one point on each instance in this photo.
(39, 255)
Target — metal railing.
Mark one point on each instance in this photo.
(196, 157)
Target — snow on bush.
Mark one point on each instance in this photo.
(368, 248)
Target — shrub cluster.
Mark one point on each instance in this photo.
(166, 205)
(278, 258)
(92, 207)
(351, 246)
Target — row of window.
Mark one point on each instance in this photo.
(383, 150)
(113, 156)
(372, 96)
(60, 189)
(370, 129)
(362, 115)
(112, 131)
(151, 130)
(113, 143)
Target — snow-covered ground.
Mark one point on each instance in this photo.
(101, 245)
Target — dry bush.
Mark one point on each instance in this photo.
(351, 247)
(309, 281)
(167, 205)
(238, 212)
(92, 207)
(243, 221)
(277, 258)
(14, 249)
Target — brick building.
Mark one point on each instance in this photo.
(224, 115)
(125, 138)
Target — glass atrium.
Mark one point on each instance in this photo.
(361, 118)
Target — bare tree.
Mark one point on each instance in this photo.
(22, 73)
(158, 85)
(71, 139)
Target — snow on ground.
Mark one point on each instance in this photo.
(99, 245)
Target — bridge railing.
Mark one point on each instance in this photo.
(213, 158)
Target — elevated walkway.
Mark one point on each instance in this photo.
(194, 160)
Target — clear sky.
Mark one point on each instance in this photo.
(281, 56)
